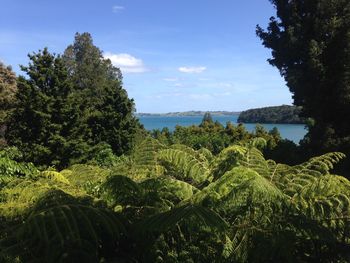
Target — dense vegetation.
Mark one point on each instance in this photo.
(8, 88)
(175, 204)
(81, 181)
(70, 107)
(215, 137)
(310, 43)
(278, 114)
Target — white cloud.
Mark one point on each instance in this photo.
(117, 8)
(171, 79)
(192, 69)
(126, 62)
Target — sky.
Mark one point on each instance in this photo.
(175, 55)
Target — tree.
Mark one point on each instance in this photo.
(106, 112)
(207, 119)
(8, 88)
(310, 42)
(41, 124)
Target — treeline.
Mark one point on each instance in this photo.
(68, 107)
(277, 114)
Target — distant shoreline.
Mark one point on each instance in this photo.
(188, 113)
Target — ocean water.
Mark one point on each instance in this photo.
(293, 132)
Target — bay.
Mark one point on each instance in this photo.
(293, 132)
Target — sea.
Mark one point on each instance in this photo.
(293, 132)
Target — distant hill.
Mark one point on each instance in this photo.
(284, 114)
(189, 113)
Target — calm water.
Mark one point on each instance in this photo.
(294, 132)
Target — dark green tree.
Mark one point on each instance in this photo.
(207, 119)
(310, 42)
(43, 118)
(8, 88)
(106, 113)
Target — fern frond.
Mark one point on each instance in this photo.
(55, 176)
(169, 188)
(146, 152)
(167, 220)
(206, 153)
(322, 164)
(227, 159)
(120, 190)
(237, 187)
(186, 165)
(60, 226)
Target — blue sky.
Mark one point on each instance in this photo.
(175, 55)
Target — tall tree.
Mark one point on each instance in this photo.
(8, 88)
(43, 118)
(106, 112)
(310, 42)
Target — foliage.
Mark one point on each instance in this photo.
(214, 136)
(278, 114)
(234, 206)
(310, 43)
(61, 228)
(10, 168)
(8, 88)
(72, 109)
(42, 120)
(106, 114)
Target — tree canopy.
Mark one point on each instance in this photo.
(310, 43)
(71, 106)
(107, 114)
(8, 88)
(41, 124)
(277, 114)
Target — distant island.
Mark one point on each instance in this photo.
(284, 114)
(188, 113)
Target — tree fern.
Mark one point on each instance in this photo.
(186, 165)
(61, 228)
(169, 219)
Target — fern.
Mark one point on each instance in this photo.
(9, 167)
(61, 228)
(169, 219)
(186, 165)
(55, 176)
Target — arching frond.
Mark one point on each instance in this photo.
(169, 189)
(206, 153)
(120, 190)
(321, 164)
(146, 152)
(227, 159)
(187, 167)
(237, 187)
(61, 228)
(169, 219)
(55, 176)
(86, 177)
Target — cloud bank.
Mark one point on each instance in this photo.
(126, 62)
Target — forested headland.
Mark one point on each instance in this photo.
(82, 181)
(284, 114)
